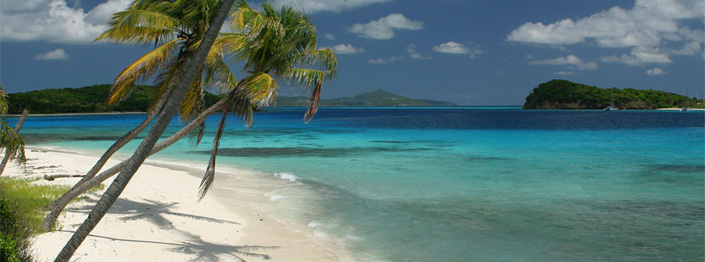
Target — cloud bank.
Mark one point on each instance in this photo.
(651, 28)
(54, 21)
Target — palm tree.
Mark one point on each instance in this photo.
(10, 140)
(289, 54)
(176, 29)
(190, 71)
(260, 87)
(273, 45)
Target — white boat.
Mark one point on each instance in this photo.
(611, 106)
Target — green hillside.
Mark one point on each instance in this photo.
(378, 98)
(88, 99)
(563, 94)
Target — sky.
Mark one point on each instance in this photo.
(471, 52)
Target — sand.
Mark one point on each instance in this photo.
(159, 218)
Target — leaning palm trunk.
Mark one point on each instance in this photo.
(18, 126)
(61, 203)
(109, 153)
(145, 148)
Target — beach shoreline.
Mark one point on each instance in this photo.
(158, 217)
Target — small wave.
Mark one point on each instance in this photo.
(313, 223)
(286, 176)
(276, 197)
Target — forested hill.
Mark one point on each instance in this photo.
(376, 98)
(89, 99)
(563, 94)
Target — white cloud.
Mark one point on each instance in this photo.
(640, 56)
(57, 54)
(451, 48)
(54, 21)
(329, 36)
(458, 49)
(385, 61)
(342, 49)
(383, 28)
(102, 13)
(565, 73)
(413, 54)
(690, 48)
(655, 71)
(567, 60)
(314, 6)
(649, 24)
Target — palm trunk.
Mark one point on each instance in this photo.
(114, 148)
(143, 151)
(18, 126)
(61, 203)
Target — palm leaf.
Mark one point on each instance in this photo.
(261, 88)
(12, 143)
(141, 27)
(143, 68)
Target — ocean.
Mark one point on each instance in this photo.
(456, 184)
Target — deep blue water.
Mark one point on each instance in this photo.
(463, 184)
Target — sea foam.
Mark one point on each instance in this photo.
(286, 176)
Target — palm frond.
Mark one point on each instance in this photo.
(143, 68)
(141, 27)
(4, 105)
(261, 88)
(209, 176)
(193, 103)
(12, 143)
(305, 78)
(314, 100)
(219, 76)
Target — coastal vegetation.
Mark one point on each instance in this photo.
(87, 99)
(21, 216)
(91, 99)
(563, 94)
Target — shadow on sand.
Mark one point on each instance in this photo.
(154, 212)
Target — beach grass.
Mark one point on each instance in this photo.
(29, 199)
(21, 215)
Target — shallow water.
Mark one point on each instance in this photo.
(463, 184)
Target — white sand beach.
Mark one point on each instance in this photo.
(159, 218)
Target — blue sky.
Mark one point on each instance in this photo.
(471, 52)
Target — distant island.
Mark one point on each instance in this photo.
(91, 99)
(377, 98)
(88, 99)
(563, 94)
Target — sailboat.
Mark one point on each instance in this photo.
(611, 106)
(686, 107)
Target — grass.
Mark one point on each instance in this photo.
(31, 198)
(21, 215)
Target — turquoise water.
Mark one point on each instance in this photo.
(465, 184)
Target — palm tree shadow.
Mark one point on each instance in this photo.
(154, 212)
(205, 251)
(210, 252)
(149, 210)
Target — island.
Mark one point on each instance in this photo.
(377, 98)
(564, 94)
(91, 99)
